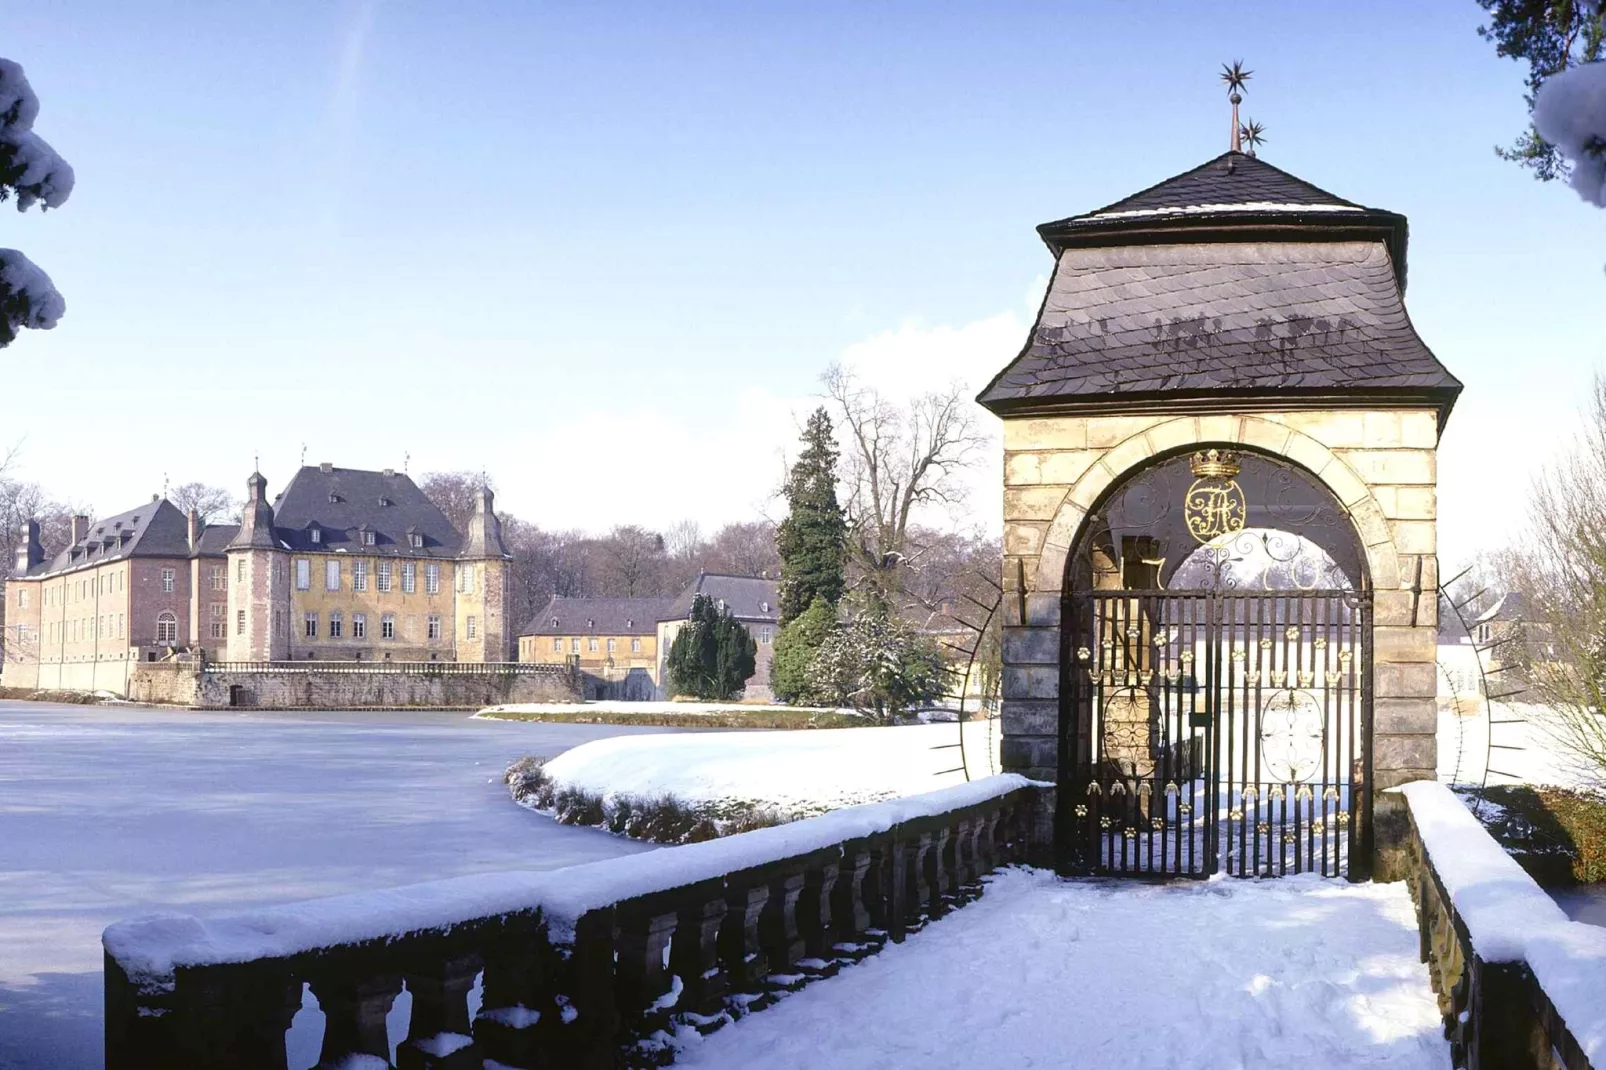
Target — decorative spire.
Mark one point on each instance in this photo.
(1253, 135)
(1235, 76)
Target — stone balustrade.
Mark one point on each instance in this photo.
(1499, 1014)
(592, 966)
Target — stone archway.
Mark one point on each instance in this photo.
(1380, 464)
(1214, 685)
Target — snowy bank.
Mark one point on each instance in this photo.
(1508, 917)
(793, 773)
(642, 709)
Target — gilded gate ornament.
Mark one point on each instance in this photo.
(1214, 504)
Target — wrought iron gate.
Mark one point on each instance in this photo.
(1216, 729)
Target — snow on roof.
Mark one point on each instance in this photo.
(150, 948)
(1509, 917)
(1242, 206)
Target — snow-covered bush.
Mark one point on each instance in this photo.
(878, 662)
(1570, 113)
(33, 173)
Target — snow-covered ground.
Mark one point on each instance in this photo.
(1522, 751)
(613, 707)
(108, 813)
(1221, 974)
(806, 771)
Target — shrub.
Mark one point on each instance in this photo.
(1557, 835)
(665, 819)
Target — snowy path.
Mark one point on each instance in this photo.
(1222, 974)
(110, 812)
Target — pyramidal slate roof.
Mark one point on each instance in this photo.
(1232, 182)
(750, 598)
(1234, 282)
(340, 503)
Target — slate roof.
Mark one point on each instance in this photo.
(750, 598)
(600, 616)
(215, 538)
(155, 529)
(341, 501)
(1232, 181)
(1280, 318)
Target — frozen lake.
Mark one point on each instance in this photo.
(110, 812)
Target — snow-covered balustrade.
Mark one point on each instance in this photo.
(1520, 985)
(593, 965)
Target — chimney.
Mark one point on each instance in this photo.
(389, 473)
(325, 467)
(29, 551)
(195, 530)
(80, 528)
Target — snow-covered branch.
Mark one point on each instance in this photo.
(1570, 113)
(27, 296)
(29, 167)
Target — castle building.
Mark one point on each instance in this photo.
(345, 565)
(611, 637)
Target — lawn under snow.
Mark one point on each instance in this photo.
(640, 709)
(799, 772)
(1215, 975)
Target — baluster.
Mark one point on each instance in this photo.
(518, 1013)
(987, 854)
(694, 954)
(641, 977)
(851, 895)
(354, 1004)
(778, 924)
(588, 1023)
(739, 946)
(941, 868)
(896, 875)
(964, 856)
(440, 1016)
(814, 912)
(917, 902)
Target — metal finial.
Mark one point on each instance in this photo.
(407, 460)
(164, 484)
(1235, 76)
(256, 461)
(1253, 134)
(303, 455)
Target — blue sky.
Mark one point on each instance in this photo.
(570, 243)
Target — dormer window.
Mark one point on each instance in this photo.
(333, 497)
(554, 622)
(384, 501)
(316, 535)
(370, 538)
(763, 607)
(418, 541)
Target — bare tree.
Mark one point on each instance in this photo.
(1561, 574)
(897, 461)
(631, 562)
(453, 494)
(743, 549)
(211, 504)
(684, 541)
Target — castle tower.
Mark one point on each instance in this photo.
(484, 632)
(259, 583)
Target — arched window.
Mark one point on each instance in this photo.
(166, 627)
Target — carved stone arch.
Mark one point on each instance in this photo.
(1124, 459)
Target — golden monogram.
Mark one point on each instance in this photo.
(1214, 505)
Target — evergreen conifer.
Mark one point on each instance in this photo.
(812, 540)
(713, 655)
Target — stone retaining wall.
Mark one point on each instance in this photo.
(309, 688)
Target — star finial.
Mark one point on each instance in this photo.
(1253, 134)
(1235, 76)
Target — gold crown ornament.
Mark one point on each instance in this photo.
(1214, 464)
